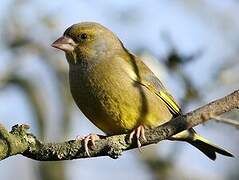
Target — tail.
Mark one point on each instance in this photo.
(202, 144)
(208, 148)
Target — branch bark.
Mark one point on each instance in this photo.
(19, 141)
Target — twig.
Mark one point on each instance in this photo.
(226, 121)
(19, 141)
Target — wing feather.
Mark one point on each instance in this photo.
(148, 79)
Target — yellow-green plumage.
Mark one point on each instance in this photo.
(116, 90)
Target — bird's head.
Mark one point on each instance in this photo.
(87, 41)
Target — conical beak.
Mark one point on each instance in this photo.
(64, 43)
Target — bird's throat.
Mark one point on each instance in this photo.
(71, 57)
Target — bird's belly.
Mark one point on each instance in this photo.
(119, 106)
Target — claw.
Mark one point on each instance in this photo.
(138, 132)
(90, 138)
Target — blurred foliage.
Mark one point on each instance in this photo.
(19, 39)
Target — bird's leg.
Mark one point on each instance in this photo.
(90, 138)
(138, 132)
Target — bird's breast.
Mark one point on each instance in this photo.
(105, 98)
(111, 99)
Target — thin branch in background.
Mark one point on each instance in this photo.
(226, 121)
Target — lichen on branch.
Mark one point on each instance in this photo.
(20, 141)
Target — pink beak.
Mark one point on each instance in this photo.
(64, 43)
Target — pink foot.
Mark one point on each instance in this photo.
(90, 138)
(138, 132)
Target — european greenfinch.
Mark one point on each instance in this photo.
(116, 91)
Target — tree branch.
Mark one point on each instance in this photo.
(19, 141)
(226, 121)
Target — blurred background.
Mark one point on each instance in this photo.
(192, 46)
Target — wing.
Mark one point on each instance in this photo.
(147, 78)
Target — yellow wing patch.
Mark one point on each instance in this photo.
(168, 99)
(140, 73)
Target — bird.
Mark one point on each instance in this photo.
(116, 91)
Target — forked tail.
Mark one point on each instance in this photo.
(200, 143)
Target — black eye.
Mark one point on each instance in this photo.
(83, 36)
